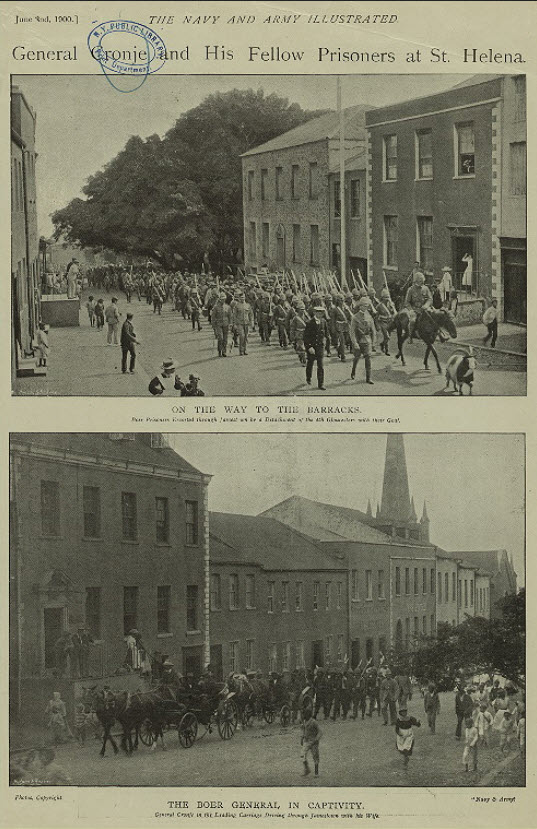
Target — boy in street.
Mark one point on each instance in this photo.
(311, 734)
(431, 704)
(470, 745)
(490, 319)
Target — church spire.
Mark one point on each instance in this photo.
(424, 515)
(369, 512)
(413, 517)
(395, 504)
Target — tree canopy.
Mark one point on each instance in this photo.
(181, 194)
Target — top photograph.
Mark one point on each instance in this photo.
(353, 235)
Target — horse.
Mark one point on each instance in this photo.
(427, 326)
(129, 710)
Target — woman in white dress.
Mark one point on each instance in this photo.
(468, 273)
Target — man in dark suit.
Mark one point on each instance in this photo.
(315, 337)
(128, 340)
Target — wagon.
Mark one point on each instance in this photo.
(203, 715)
(168, 714)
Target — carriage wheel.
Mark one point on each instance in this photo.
(146, 733)
(227, 720)
(248, 715)
(268, 713)
(285, 716)
(187, 730)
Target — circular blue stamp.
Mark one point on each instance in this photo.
(127, 48)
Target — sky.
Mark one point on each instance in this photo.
(83, 122)
(473, 483)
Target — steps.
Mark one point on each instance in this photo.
(28, 368)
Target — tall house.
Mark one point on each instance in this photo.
(446, 185)
(355, 216)
(286, 194)
(25, 277)
(108, 532)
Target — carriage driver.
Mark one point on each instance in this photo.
(418, 299)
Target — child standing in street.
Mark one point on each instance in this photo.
(470, 745)
(90, 305)
(311, 735)
(484, 724)
(431, 703)
(507, 731)
(404, 734)
(99, 314)
(43, 347)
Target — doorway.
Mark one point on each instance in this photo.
(515, 292)
(216, 662)
(355, 653)
(280, 246)
(318, 660)
(53, 627)
(192, 661)
(464, 271)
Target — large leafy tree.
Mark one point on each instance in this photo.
(181, 194)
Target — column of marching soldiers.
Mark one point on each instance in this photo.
(315, 315)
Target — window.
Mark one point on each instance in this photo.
(162, 522)
(439, 589)
(339, 594)
(216, 592)
(316, 586)
(518, 168)
(382, 645)
(297, 254)
(265, 239)
(390, 158)
(407, 633)
(397, 581)
(337, 199)
(327, 595)
(273, 657)
(249, 659)
(314, 244)
(251, 179)
(369, 649)
(327, 649)
(424, 625)
(285, 597)
(459, 596)
(380, 584)
(354, 585)
(432, 580)
(250, 592)
(252, 243)
(91, 496)
(163, 608)
(299, 596)
(432, 624)
(424, 154)
(295, 170)
(416, 627)
(270, 597)
(299, 654)
(368, 585)
(191, 525)
(425, 243)
(233, 656)
(50, 507)
(520, 98)
(278, 183)
(424, 580)
(466, 592)
(465, 144)
(313, 179)
(446, 587)
(355, 198)
(453, 587)
(93, 611)
(391, 233)
(233, 592)
(130, 609)
(158, 441)
(416, 582)
(286, 656)
(264, 182)
(128, 514)
(340, 647)
(471, 592)
(407, 580)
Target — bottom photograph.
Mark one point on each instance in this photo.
(267, 610)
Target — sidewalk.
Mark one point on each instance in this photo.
(93, 367)
(511, 338)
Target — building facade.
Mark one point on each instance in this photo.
(286, 194)
(355, 219)
(25, 272)
(446, 178)
(109, 533)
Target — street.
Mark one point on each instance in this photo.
(81, 364)
(353, 753)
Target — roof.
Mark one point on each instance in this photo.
(318, 129)
(488, 560)
(101, 445)
(326, 522)
(357, 161)
(474, 80)
(271, 544)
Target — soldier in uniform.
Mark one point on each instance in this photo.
(315, 336)
(361, 333)
(341, 324)
(417, 300)
(241, 319)
(385, 314)
(264, 314)
(279, 315)
(221, 320)
(298, 325)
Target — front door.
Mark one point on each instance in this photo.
(318, 660)
(464, 263)
(53, 625)
(515, 287)
(356, 263)
(216, 662)
(192, 661)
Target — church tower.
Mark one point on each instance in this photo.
(397, 515)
